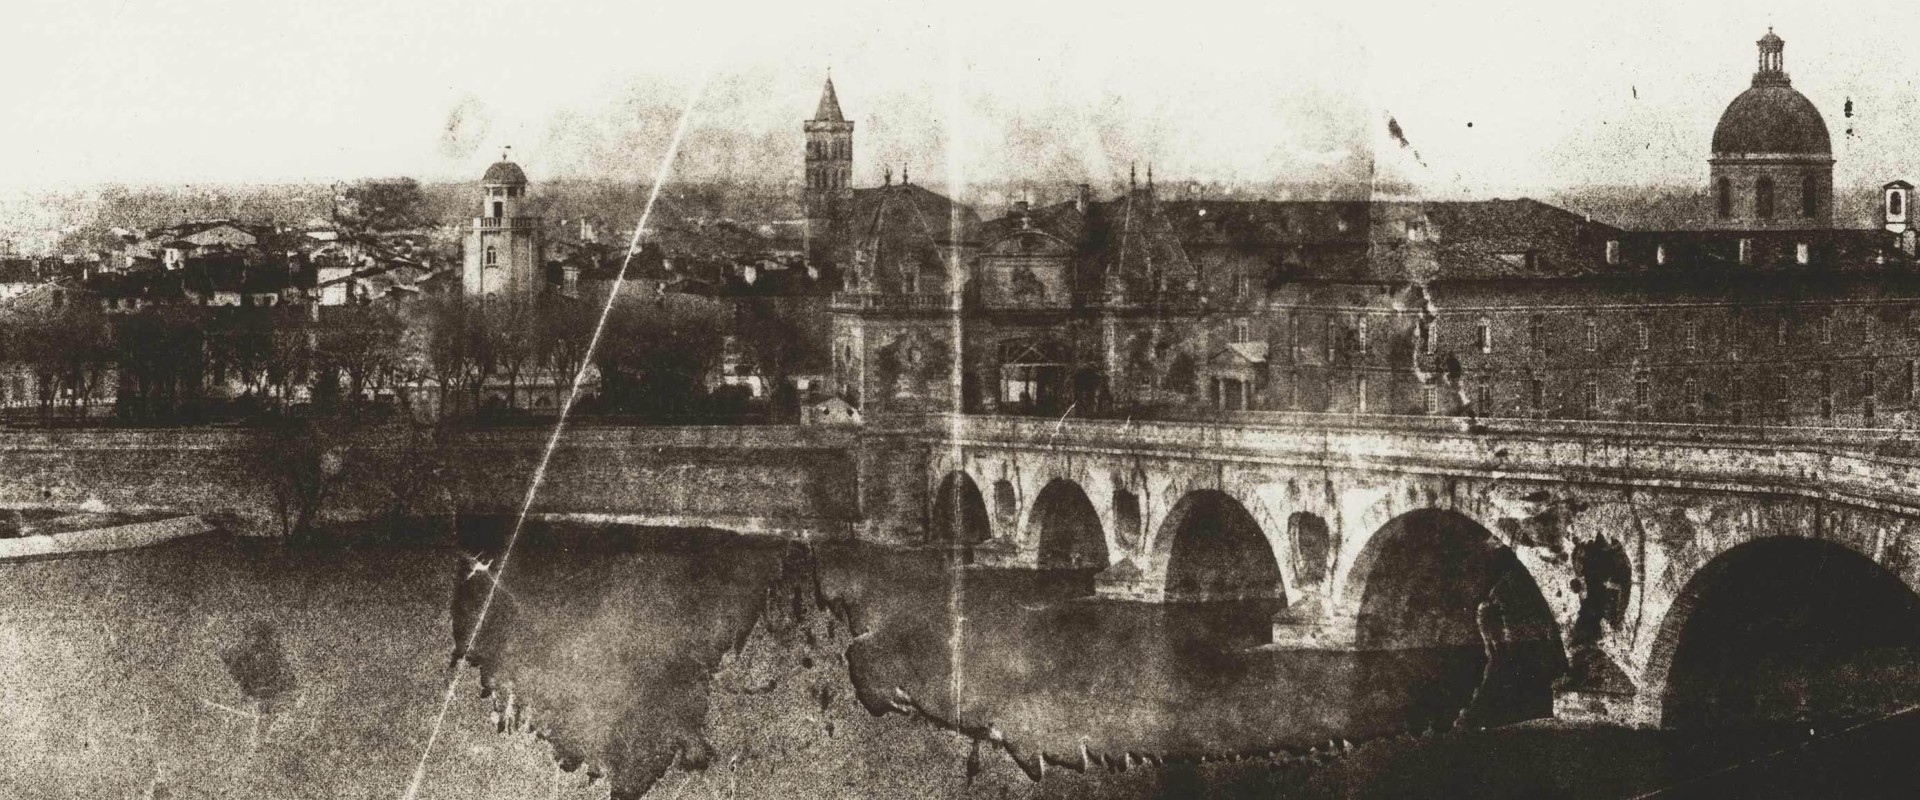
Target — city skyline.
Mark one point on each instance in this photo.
(1620, 95)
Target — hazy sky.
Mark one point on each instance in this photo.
(1498, 98)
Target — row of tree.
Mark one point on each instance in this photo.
(444, 355)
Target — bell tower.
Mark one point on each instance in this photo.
(504, 251)
(829, 164)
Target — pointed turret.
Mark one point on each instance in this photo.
(829, 110)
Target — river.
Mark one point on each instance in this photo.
(700, 663)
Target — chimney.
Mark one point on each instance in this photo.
(1082, 196)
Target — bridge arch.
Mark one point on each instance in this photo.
(1436, 580)
(1213, 548)
(1065, 527)
(1785, 629)
(959, 515)
(1420, 579)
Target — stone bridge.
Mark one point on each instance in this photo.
(1619, 541)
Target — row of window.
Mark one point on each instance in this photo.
(838, 148)
(1763, 197)
(1693, 400)
(1690, 332)
(826, 179)
(1361, 340)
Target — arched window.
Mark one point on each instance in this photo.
(1763, 198)
(492, 257)
(1593, 335)
(1485, 337)
(1723, 198)
(1809, 195)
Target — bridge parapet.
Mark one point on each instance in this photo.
(1841, 464)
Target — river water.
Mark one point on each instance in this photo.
(697, 663)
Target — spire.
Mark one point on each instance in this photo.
(1772, 70)
(829, 110)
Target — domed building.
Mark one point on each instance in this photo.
(504, 249)
(1772, 164)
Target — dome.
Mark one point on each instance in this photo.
(1772, 119)
(509, 172)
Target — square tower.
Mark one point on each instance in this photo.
(504, 252)
(829, 165)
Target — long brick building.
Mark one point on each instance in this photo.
(1501, 308)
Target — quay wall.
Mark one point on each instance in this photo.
(770, 479)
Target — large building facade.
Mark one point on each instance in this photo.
(1138, 305)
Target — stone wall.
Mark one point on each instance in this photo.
(776, 479)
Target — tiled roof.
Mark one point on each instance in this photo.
(905, 223)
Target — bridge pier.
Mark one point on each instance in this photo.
(1314, 622)
(1128, 580)
(1003, 553)
(1589, 706)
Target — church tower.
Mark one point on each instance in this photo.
(1772, 164)
(829, 162)
(504, 251)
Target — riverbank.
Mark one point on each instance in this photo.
(60, 535)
